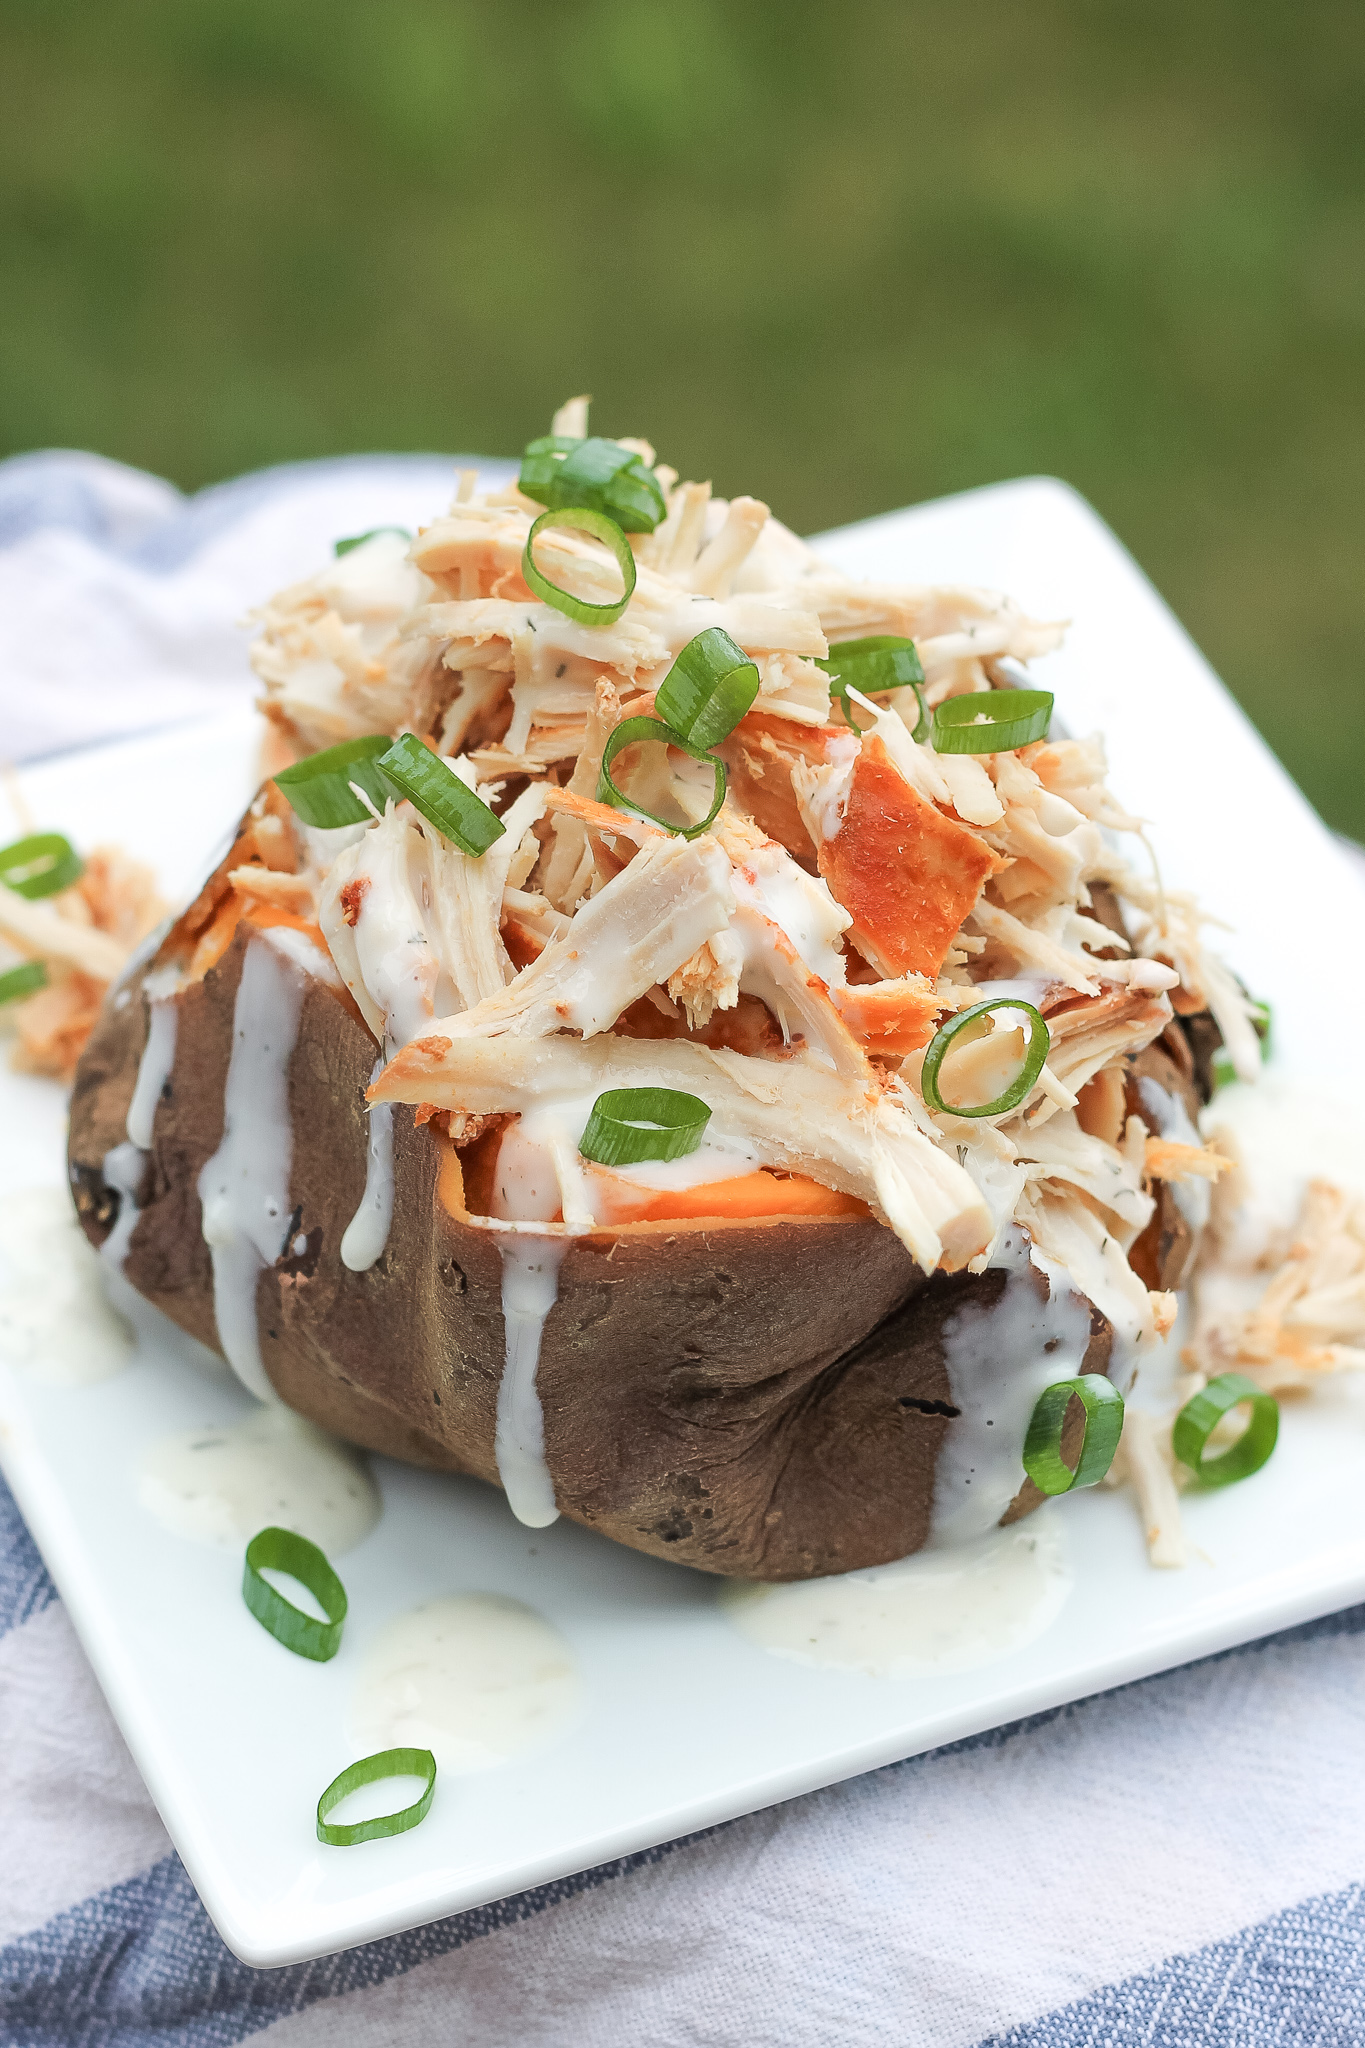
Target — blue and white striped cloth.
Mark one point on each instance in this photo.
(1180, 1862)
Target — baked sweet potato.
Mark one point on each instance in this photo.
(765, 1398)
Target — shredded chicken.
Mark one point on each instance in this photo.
(796, 1117)
(1310, 1319)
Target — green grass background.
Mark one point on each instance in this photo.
(843, 255)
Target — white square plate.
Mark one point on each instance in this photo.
(684, 1721)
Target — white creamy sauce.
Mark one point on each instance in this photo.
(1025, 988)
(938, 1612)
(158, 1054)
(220, 1484)
(55, 1322)
(367, 1233)
(770, 882)
(475, 1678)
(325, 844)
(304, 952)
(121, 1169)
(530, 1287)
(122, 1166)
(393, 949)
(998, 1364)
(1172, 1119)
(529, 1185)
(244, 1187)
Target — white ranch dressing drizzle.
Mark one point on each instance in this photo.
(305, 952)
(158, 1054)
(475, 1678)
(938, 1612)
(218, 1485)
(367, 1233)
(530, 1288)
(1027, 988)
(800, 905)
(55, 1322)
(528, 1186)
(121, 1169)
(244, 1187)
(122, 1165)
(998, 1364)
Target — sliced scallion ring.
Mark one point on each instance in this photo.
(885, 661)
(626, 734)
(629, 1125)
(1201, 1415)
(1035, 1055)
(22, 980)
(579, 519)
(596, 474)
(1043, 1460)
(358, 540)
(319, 786)
(386, 1763)
(709, 688)
(412, 770)
(40, 865)
(284, 1550)
(992, 721)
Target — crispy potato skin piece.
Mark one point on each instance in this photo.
(759, 1398)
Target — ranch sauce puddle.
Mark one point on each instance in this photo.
(219, 1485)
(939, 1612)
(475, 1678)
(55, 1322)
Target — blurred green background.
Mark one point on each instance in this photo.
(845, 256)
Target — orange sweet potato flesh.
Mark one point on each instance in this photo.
(908, 874)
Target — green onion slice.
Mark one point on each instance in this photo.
(709, 688)
(1035, 1053)
(594, 474)
(283, 1550)
(626, 734)
(358, 540)
(319, 787)
(1201, 1415)
(413, 771)
(1043, 1460)
(1013, 718)
(386, 1763)
(40, 865)
(883, 662)
(629, 1125)
(22, 980)
(579, 519)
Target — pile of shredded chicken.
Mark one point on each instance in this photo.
(791, 964)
